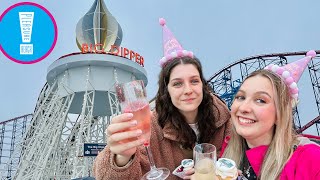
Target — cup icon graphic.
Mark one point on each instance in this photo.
(26, 23)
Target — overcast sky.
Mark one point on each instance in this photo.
(219, 32)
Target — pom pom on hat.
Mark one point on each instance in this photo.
(162, 21)
(312, 53)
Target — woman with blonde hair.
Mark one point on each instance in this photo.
(264, 144)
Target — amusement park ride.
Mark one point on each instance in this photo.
(227, 81)
(61, 138)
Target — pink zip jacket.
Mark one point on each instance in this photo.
(303, 164)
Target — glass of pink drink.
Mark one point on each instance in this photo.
(133, 99)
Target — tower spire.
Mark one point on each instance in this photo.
(98, 26)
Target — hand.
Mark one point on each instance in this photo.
(239, 172)
(118, 132)
(189, 174)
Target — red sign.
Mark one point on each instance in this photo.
(115, 50)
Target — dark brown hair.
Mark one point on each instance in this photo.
(168, 113)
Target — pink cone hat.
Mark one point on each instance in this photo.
(171, 46)
(292, 72)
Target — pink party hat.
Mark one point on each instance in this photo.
(292, 72)
(171, 46)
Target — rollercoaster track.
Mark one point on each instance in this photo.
(226, 81)
(309, 124)
(283, 55)
(12, 132)
(20, 117)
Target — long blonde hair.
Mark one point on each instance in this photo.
(280, 148)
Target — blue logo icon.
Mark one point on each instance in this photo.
(28, 33)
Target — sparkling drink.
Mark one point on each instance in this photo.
(205, 170)
(141, 113)
(133, 99)
(205, 159)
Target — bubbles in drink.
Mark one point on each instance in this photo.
(205, 169)
(141, 113)
(131, 107)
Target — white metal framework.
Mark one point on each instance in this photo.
(52, 147)
(11, 133)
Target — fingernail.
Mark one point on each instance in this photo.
(138, 132)
(130, 115)
(134, 122)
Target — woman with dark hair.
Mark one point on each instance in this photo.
(186, 113)
(171, 112)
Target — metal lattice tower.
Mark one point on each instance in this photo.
(227, 81)
(77, 103)
(74, 108)
(314, 72)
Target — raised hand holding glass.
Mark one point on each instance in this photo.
(133, 99)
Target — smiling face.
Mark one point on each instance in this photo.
(253, 111)
(186, 89)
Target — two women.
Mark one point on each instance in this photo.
(186, 113)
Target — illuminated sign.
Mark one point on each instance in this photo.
(115, 50)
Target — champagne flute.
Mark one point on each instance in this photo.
(133, 99)
(205, 159)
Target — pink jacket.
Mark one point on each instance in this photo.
(303, 164)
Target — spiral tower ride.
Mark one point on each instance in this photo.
(76, 104)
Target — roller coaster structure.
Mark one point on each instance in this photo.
(226, 81)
